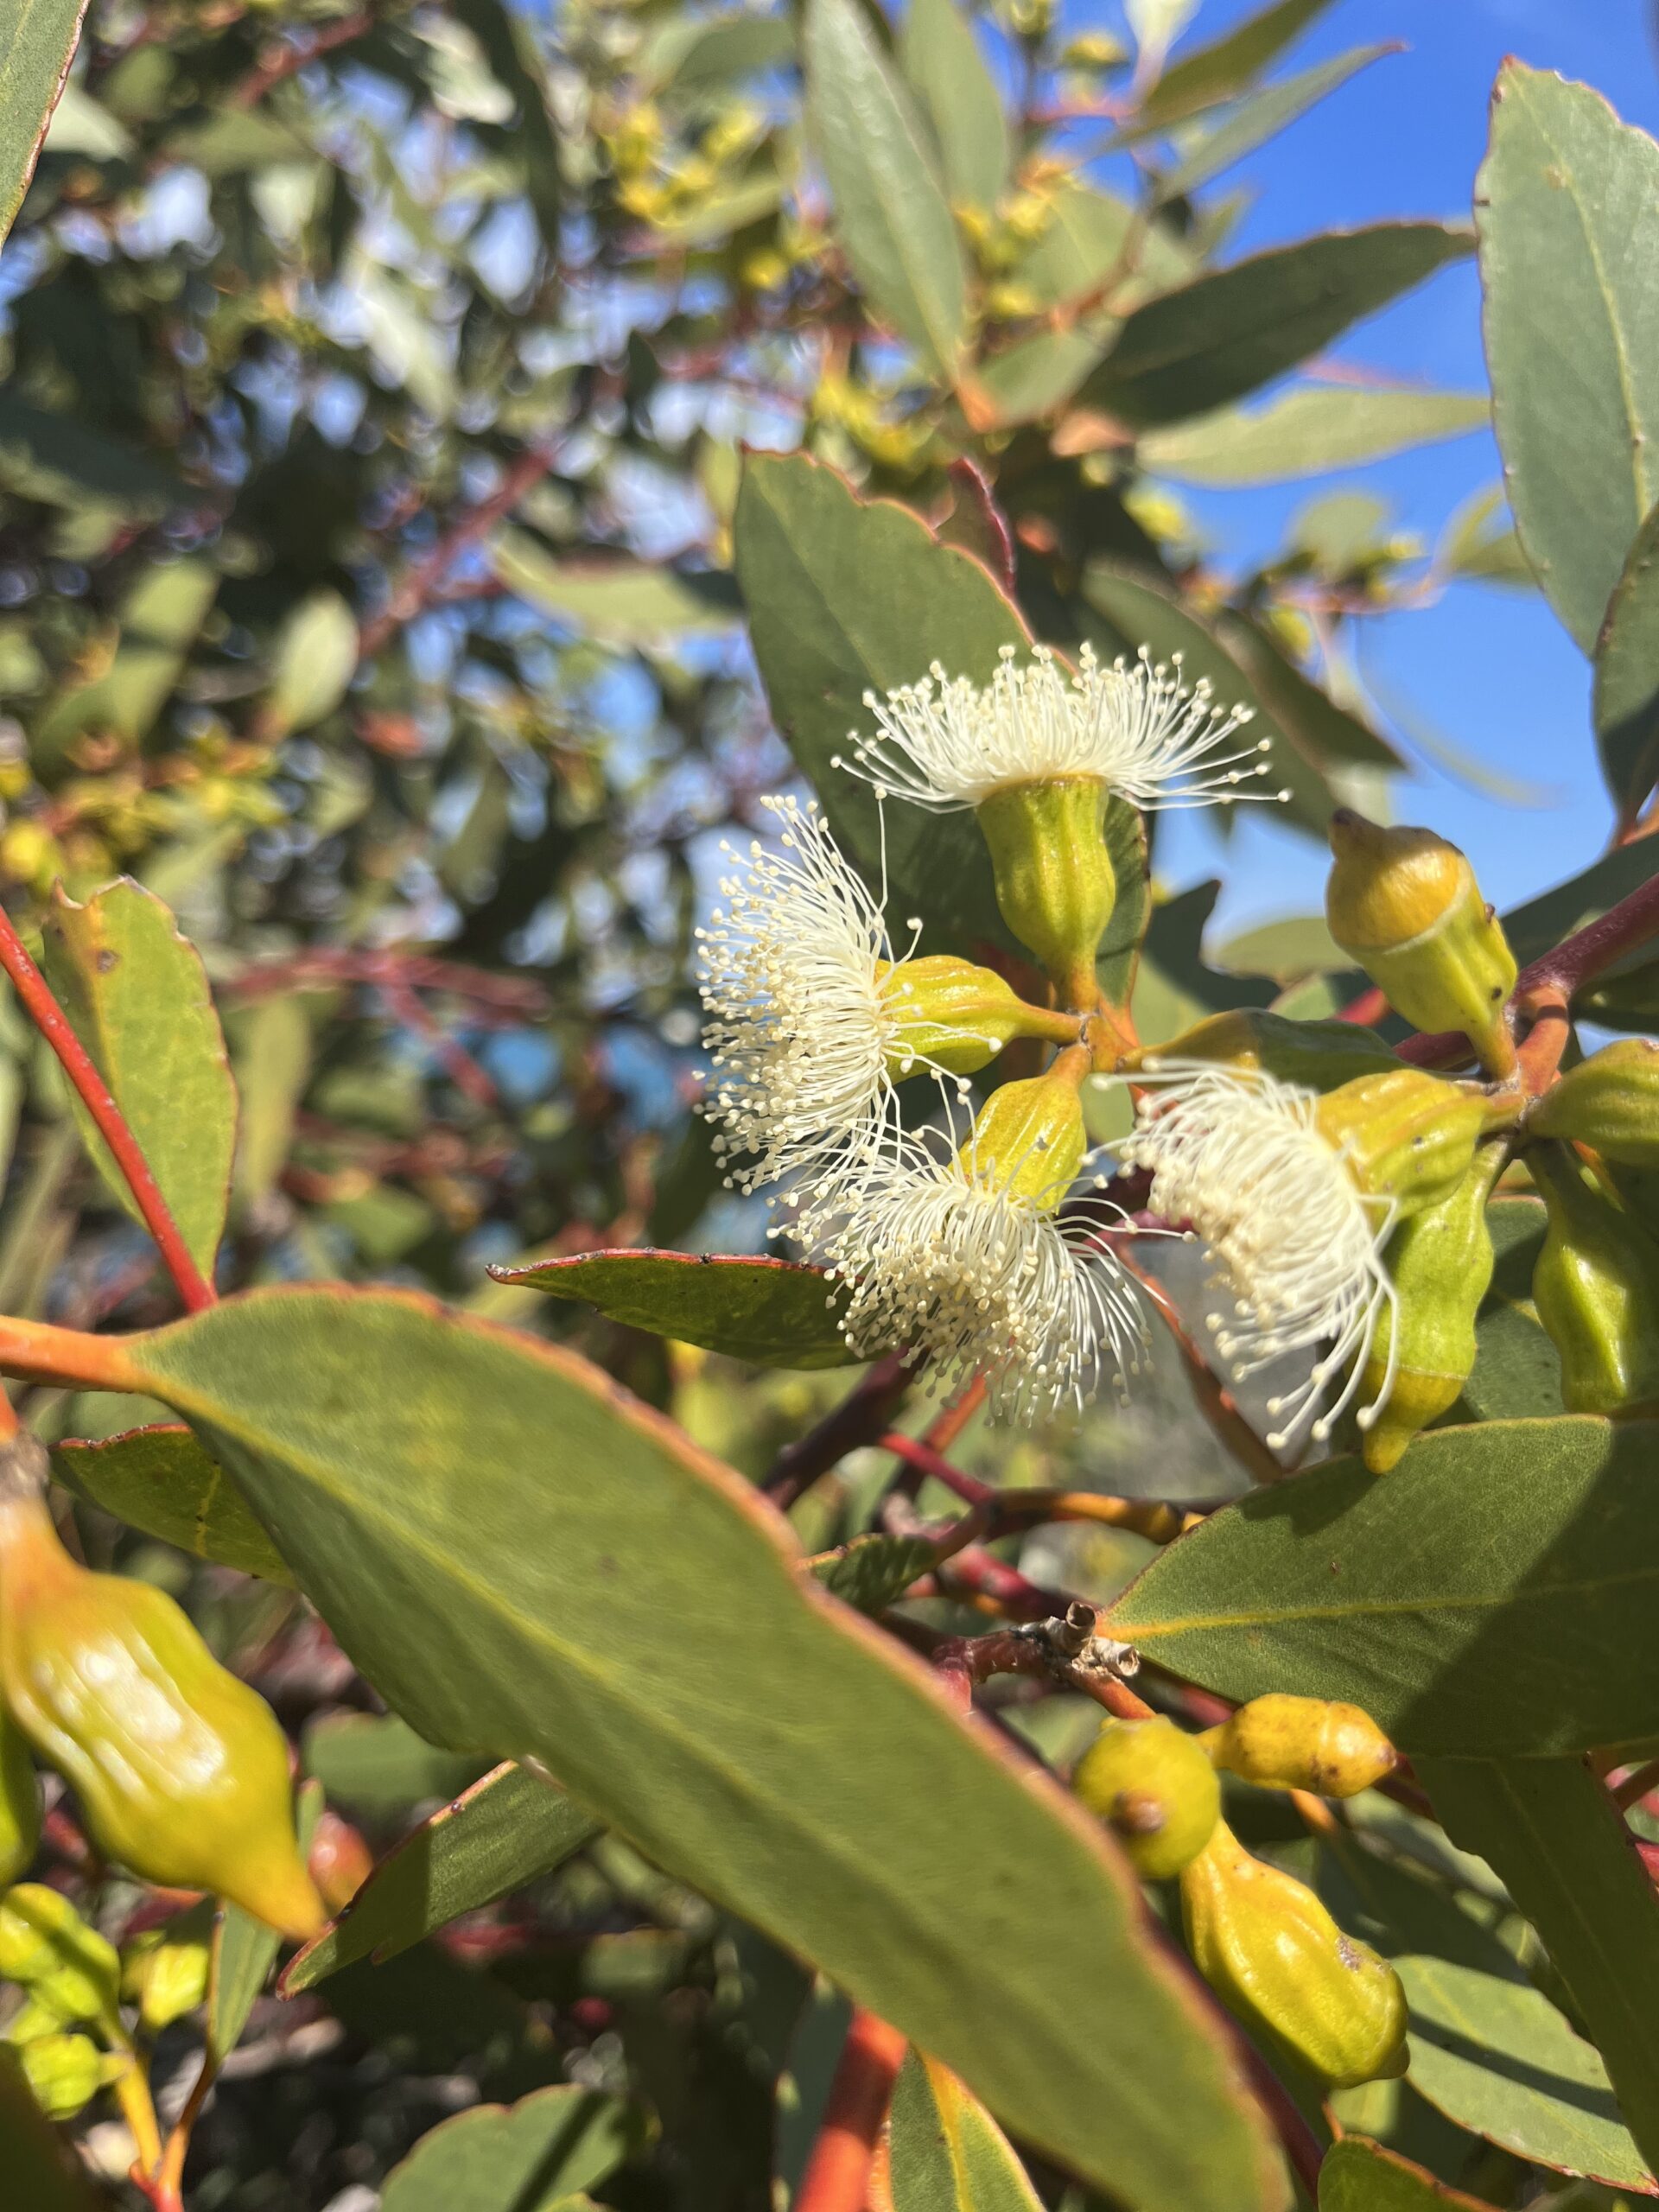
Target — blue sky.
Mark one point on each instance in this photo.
(1492, 669)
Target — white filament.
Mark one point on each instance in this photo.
(1296, 1243)
(945, 742)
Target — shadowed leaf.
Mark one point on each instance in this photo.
(769, 1312)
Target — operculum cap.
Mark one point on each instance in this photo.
(1281, 1742)
(1029, 1140)
(1409, 1137)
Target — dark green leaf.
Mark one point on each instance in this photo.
(375, 1763)
(1539, 926)
(509, 42)
(1232, 330)
(1176, 985)
(1555, 1839)
(1308, 432)
(871, 1572)
(506, 1832)
(1035, 375)
(56, 458)
(1627, 677)
(527, 1565)
(136, 994)
(1494, 1593)
(1360, 2176)
(1260, 117)
(41, 37)
(769, 1312)
(892, 218)
(161, 1479)
(1564, 203)
(245, 1950)
(160, 619)
(948, 75)
(521, 2157)
(41, 2174)
(1230, 64)
(945, 2153)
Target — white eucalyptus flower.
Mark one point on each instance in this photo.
(943, 1260)
(1296, 1244)
(945, 743)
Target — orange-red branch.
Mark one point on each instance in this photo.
(36, 1351)
(94, 1094)
(837, 2174)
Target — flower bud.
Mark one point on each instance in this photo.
(68, 1969)
(181, 1770)
(1055, 883)
(164, 1972)
(1406, 904)
(948, 1014)
(20, 1802)
(1281, 1742)
(1609, 1101)
(1275, 1956)
(1152, 1785)
(1596, 1286)
(1441, 1264)
(1316, 1055)
(1405, 1135)
(340, 1862)
(65, 2072)
(1029, 1140)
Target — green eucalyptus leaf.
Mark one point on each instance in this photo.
(522, 2157)
(1230, 65)
(41, 40)
(42, 2172)
(1308, 432)
(1260, 117)
(945, 2153)
(161, 1479)
(1358, 2176)
(947, 74)
(1493, 1594)
(245, 1950)
(377, 1763)
(770, 1311)
(526, 1566)
(159, 621)
(313, 665)
(1627, 676)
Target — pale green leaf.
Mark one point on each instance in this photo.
(769, 1312)
(39, 42)
(1360, 2176)
(945, 2153)
(623, 602)
(1260, 117)
(313, 664)
(159, 621)
(1228, 66)
(521, 2157)
(245, 1950)
(1308, 432)
(947, 74)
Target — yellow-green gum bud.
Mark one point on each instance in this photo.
(1406, 904)
(1152, 1785)
(20, 1802)
(1609, 1101)
(164, 1971)
(65, 2072)
(47, 1948)
(181, 1770)
(1440, 1263)
(1029, 1139)
(949, 1014)
(1281, 1742)
(1407, 1136)
(1318, 1055)
(1275, 1956)
(1055, 883)
(1596, 1287)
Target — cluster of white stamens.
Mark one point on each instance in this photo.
(944, 1260)
(1134, 727)
(1296, 1244)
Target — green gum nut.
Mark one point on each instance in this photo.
(1275, 1958)
(1029, 1139)
(1409, 1137)
(1153, 1786)
(20, 1802)
(1441, 1262)
(1406, 904)
(65, 2073)
(1318, 1055)
(1281, 1742)
(1610, 1101)
(68, 1969)
(1055, 883)
(947, 1014)
(1596, 1286)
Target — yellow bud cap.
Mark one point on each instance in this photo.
(181, 1770)
(1281, 1742)
(1030, 1140)
(1275, 1956)
(1152, 1785)
(1610, 1101)
(1388, 885)
(1055, 883)
(1596, 1286)
(1407, 1136)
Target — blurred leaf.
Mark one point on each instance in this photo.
(508, 39)
(40, 38)
(1564, 202)
(1262, 116)
(376, 1762)
(42, 2172)
(1231, 331)
(232, 142)
(1289, 951)
(518, 2158)
(136, 995)
(1035, 375)
(161, 1480)
(504, 1833)
(1554, 1836)
(1331, 736)
(624, 602)
(768, 1312)
(55, 458)
(312, 665)
(1480, 543)
(1089, 236)
(945, 2153)
(245, 1950)
(1360, 2176)
(750, 1738)
(872, 1571)
(1230, 64)
(1542, 923)
(1627, 677)
(1175, 986)
(159, 621)
(1308, 432)
(1517, 1371)
(703, 54)
(403, 338)
(1496, 2057)
(270, 1047)
(947, 74)
(1493, 1596)
(892, 218)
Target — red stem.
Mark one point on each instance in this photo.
(50, 1020)
(412, 592)
(838, 2169)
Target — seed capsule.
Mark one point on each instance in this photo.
(1152, 1785)
(20, 1802)
(1281, 1742)
(1317, 1055)
(1596, 1286)
(1440, 1263)
(1275, 1956)
(1609, 1101)
(68, 1969)
(1406, 904)
(181, 1770)
(1405, 1135)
